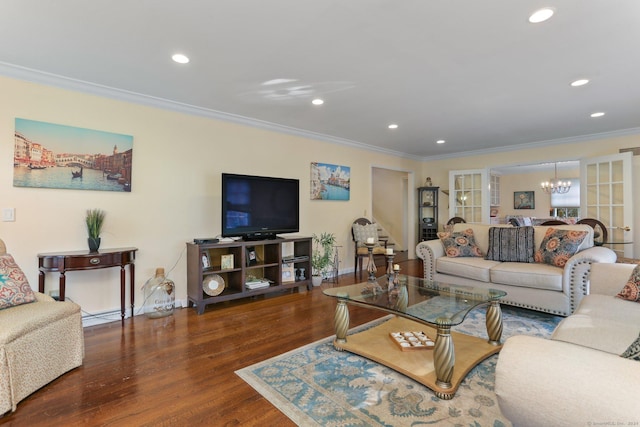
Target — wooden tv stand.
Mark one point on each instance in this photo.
(205, 260)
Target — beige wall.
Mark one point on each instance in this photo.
(528, 182)
(178, 160)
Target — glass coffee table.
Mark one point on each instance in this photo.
(420, 306)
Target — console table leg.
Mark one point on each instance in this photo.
(132, 285)
(444, 357)
(341, 322)
(494, 323)
(63, 281)
(122, 292)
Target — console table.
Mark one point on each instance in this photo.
(85, 260)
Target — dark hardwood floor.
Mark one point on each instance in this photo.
(179, 370)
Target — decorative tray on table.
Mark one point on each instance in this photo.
(408, 341)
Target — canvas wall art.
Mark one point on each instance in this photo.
(48, 155)
(330, 182)
(524, 200)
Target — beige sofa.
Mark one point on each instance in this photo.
(39, 341)
(535, 286)
(577, 378)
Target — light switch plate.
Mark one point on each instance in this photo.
(8, 214)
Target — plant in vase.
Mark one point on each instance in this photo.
(322, 257)
(94, 220)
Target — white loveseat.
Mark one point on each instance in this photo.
(577, 378)
(535, 286)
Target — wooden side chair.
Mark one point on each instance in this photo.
(554, 222)
(600, 233)
(361, 229)
(456, 220)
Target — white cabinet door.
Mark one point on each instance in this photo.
(606, 195)
(469, 195)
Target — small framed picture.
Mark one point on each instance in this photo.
(524, 200)
(226, 262)
(206, 261)
(252, 257)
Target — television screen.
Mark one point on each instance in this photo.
(258, 207)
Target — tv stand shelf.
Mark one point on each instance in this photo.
(261, 259)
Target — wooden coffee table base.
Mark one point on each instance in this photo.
(375, 344)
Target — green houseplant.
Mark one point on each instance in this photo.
(94, 221)
(322, 257)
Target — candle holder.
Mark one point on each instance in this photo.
(371, 266)
(390, 270)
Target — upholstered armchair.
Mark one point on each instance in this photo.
(40, 338)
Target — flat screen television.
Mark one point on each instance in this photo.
(259, 207)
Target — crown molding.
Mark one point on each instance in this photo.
(536, 144)
(49, 79)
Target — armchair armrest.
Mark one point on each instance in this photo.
(609, 279)
(575, 277)
(554, 383)
(428, 251)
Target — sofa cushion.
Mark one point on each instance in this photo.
(601, 322)
(631, 290)
(526, 275)
(514, 244)
(14, 287)
(470, 268)
(558, 246)
(460, 244)
(633, 352)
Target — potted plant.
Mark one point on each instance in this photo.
(94, 220)
(322, 257)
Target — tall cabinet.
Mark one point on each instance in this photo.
(428, 213)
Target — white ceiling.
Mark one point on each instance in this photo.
(475, 73)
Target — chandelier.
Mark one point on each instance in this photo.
(556, 185)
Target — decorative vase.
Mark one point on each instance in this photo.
(159, 296)
(316, 280)
(94, 244)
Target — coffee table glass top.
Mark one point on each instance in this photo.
(422, 300)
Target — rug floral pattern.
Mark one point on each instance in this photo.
(318, 385)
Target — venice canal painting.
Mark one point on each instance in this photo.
(330, 182)
(48, 155)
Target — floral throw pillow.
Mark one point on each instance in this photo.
(14, 288)
(460, 244)
(631, 290)
(558, 246)
(633, 352)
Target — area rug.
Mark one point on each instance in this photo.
(316, 385)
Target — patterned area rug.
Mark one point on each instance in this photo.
(318, 385)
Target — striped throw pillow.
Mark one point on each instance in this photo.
(511, 244)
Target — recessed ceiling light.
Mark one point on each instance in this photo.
(180, 58)
(580, 82)
(440, 141)
(317, 101)
(541, 15)
(598, 114)
(393, 126)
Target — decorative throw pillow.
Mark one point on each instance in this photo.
(633, 352)
(511, 244)
(14, 288)
(631, 290)
(460, 244)
(362, 232)
(558, 246)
